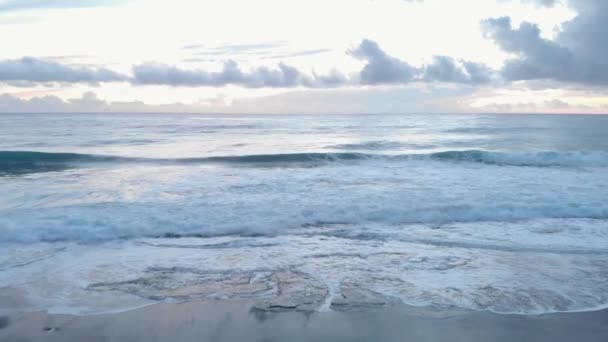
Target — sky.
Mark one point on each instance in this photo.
(306, 57)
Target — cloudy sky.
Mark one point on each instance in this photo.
(295, 56)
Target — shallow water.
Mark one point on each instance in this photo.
(504, 213)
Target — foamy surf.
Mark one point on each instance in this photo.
(307, 271)
(389, 210)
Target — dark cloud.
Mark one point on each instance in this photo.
(586, 36)
(284, 76)
(538, 57)
(381, 68)
(384, 69)
(478, 73)
(578, 53)
(446, 69)
(38, 70)
(20, 5)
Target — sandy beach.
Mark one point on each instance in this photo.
(239, 321)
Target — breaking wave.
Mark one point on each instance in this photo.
(379, 145)
(17, 162)
(546, 158)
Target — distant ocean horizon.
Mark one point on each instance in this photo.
(505, 213)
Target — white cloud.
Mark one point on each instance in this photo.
(199, 48)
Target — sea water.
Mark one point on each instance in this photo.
(105, 212)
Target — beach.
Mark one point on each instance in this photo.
(238, 321)
(387, 228)
(286, 170)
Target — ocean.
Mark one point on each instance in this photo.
(108, 212)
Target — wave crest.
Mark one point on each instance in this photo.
(18, 162)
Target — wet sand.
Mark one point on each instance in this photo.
(239, 321)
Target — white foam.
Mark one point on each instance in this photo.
(106, 204)
(115, 276)
(515, 231)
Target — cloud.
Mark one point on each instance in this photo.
(546, 2)
(550, 106)
(586, 36)
(192, 46)
(21, 5)
(578, 53)
(542, 3)
(67, 57)
(380, 68)
(446, 69)
(412, 98)
(415, 98)
(235, 49)
(284, 76)
(538, 57)
(300, 53)
(49, 104)
(38, 70)
(88, 103)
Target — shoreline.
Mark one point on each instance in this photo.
(221, 320)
